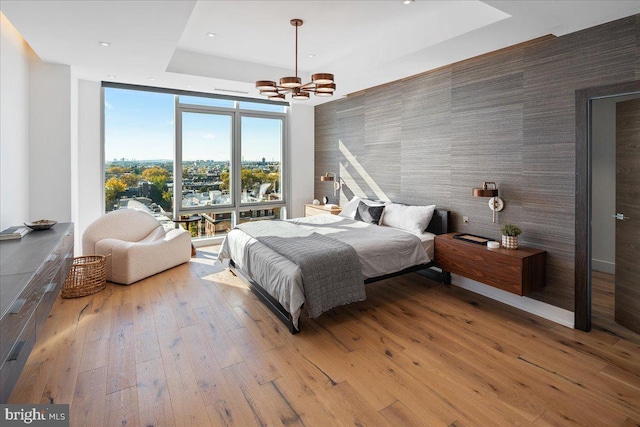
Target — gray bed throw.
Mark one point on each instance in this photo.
(331, 271)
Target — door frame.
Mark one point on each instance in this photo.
(583, 197)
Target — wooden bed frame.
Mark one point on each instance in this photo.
(439, 225)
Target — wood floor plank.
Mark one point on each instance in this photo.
(227, 413)
(281, 404)
(224, 349)
(122, 357)
(305, 403)
(234, 291)
(247, 392)
(303, 376)
(350, 408)
(61, 383)
(621, 375)
(88, 405)
(179, 304)
(219, 304)
(147, 346)
(97, 322)
(143, 317)
(259, 320)
(399, 415)
(366, 372)
(154, 403)
(121, 408)
(209, 377)
(95, 354)
(186, 401)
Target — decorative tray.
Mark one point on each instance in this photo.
(478, 240)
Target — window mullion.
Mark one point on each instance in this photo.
(177, 161)
(237, 165)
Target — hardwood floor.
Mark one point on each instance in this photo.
(603, 307)
(193, 346)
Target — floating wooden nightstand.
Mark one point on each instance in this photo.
(519, 271)
(310, 210)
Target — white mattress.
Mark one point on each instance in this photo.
(381, 250)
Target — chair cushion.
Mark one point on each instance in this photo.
(129, 225)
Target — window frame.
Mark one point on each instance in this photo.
(236, 207)
(283, 174)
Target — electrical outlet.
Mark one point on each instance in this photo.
(465, 220)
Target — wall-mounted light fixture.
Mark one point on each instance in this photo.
(330, 176)
(495, 203)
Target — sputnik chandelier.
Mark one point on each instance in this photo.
(321, 84)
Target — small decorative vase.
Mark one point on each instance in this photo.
(510, 242)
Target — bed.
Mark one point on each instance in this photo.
(382, 252)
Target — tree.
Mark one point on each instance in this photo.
(166, 196)
(224, 177)
(252, 179)
(130, 179)
(117, 170)
(157, 176)
(112, 187)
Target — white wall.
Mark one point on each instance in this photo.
(15, 54)
(73, 146)
(301, 157)
(89, 184)
(49, 141)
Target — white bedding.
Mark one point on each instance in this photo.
(381, 250)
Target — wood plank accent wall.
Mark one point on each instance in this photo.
(507, 116)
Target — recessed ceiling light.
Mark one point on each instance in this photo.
(151, 78)
(104, 44)
(311, 55)
(408, 1)
(211, 35)
(111, 76)
(189, 86)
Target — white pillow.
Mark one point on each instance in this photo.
(349, 210)
(413, 219)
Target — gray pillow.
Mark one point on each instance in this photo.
(369, 214)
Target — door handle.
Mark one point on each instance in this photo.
(620, 216)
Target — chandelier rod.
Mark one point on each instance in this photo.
(297, 25)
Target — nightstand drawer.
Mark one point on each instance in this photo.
(518, 271)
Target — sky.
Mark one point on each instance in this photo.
(140, 126)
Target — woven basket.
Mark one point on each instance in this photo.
(87, 276)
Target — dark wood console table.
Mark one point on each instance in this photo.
(32, 271)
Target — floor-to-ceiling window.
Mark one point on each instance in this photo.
(229, 154)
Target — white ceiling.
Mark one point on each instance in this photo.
(363, 43)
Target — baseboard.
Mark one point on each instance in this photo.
(544, 310)
(603, 266)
